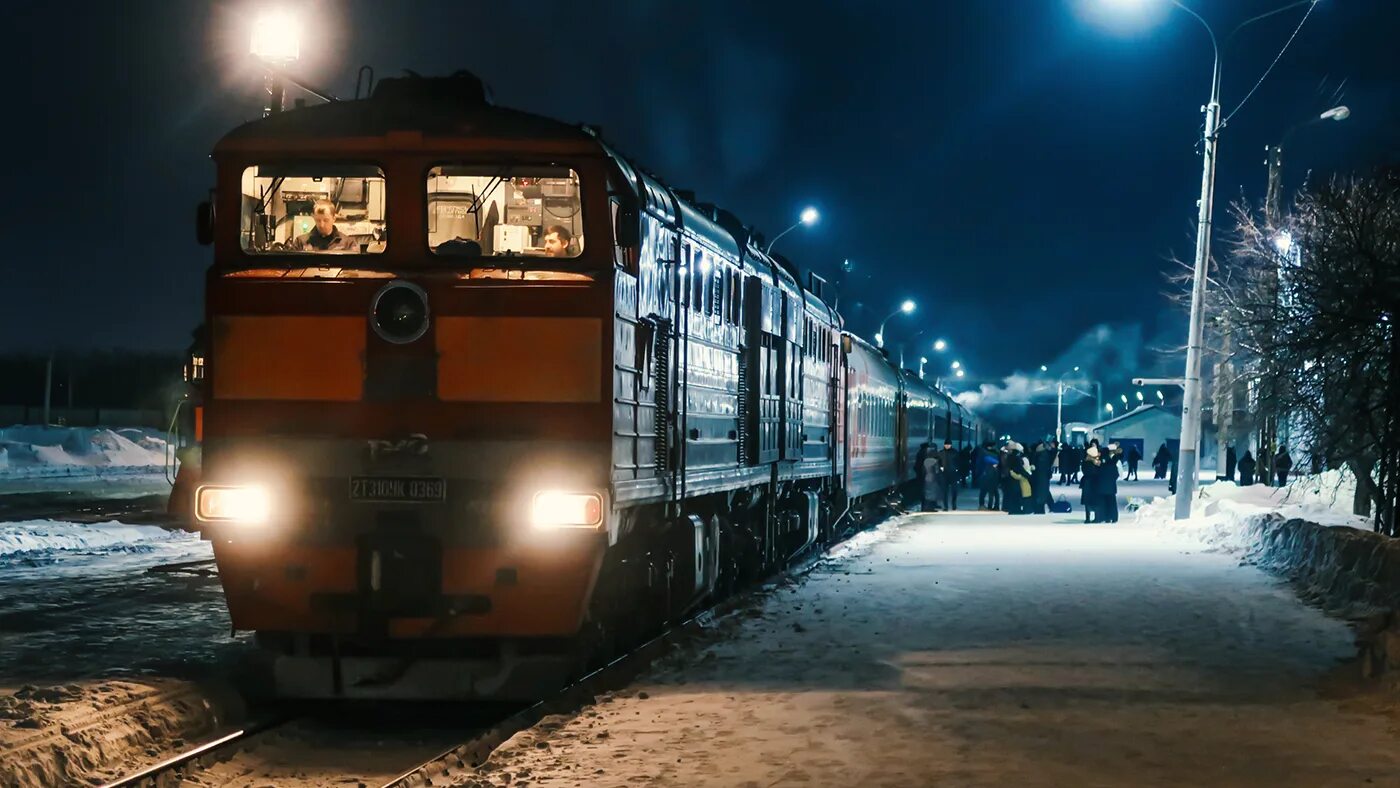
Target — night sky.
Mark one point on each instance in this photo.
(1021, 168)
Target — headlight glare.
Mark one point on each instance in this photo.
(245, 504)
(554, 509)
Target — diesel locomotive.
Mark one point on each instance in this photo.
(482, 399)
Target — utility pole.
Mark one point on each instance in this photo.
(48, 386)
(1189, 450)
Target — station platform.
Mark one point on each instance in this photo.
(972, 649)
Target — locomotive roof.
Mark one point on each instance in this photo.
(455, 105)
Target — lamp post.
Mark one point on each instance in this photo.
(1191, 402)
(905, 308)
(808, 217)
(1283, 244)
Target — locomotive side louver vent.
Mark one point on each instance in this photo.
(662, 358)
(743, 407)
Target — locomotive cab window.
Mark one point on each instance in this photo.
(313, 208)
(504, 210)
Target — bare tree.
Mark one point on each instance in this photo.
(1313, 305)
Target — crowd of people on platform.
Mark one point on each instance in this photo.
(1017, 480)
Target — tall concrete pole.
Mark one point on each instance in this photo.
(1189, 450)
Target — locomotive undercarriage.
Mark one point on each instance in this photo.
(661, 569)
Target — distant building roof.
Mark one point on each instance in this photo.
(1134, 413)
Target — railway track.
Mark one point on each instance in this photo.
(141, 510)
(463, 750)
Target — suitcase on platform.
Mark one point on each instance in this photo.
(1061, 506)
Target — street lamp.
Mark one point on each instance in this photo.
(1139, 396)
(906, 308)
(1108, 406)
(1275, 161)
(922, 361)
(1161, 400)
(807, 218)
(1044, 368)
(1124, 397)
(940, 345)
(957, 365)
(1191, 402)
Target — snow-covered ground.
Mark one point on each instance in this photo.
(76, 601)
(980, 649)
(94, 461)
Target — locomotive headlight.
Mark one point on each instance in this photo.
(245, 504)
(553, 509)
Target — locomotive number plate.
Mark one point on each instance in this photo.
(397, 489)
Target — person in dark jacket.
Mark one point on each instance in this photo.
(1247, 469)
(948, 460)
(1043, 459)
(1088, 484)
(1230, 462)
(964, 465)
(977, 466)
(1009, 462)
(1134, 457)
(988, 482)
(1107, 484)
(1160, 461)
(1283, 463)
(1063, 460)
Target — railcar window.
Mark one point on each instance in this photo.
(516, 210)
(313, 208)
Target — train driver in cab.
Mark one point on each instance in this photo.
(325, 236)
(556, 241)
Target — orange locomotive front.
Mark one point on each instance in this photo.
(407, 429)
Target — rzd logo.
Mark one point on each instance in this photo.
(415, 445)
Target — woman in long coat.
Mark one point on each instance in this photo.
(1088, 484)
(1108, 484)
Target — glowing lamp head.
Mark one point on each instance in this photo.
(250, 504)
(1139, 396)
(554, 509)
(1108, 408)
(907, 307)
(960, 373)
(809, 216)
(1044, 368)
(277, 36)
(1160, 398)
(957, 365)
(1337, 113)
(940, 346)
(1283, 242)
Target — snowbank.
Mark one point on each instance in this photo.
(1306, 533)
(27, 451)
(46, 537)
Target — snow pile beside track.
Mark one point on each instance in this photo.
(1306, 533)
(91, 732)
(29, 451)
(36, 537)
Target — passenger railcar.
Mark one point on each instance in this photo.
(482, 397)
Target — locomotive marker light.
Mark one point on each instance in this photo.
(242, 504)
(555, 509)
